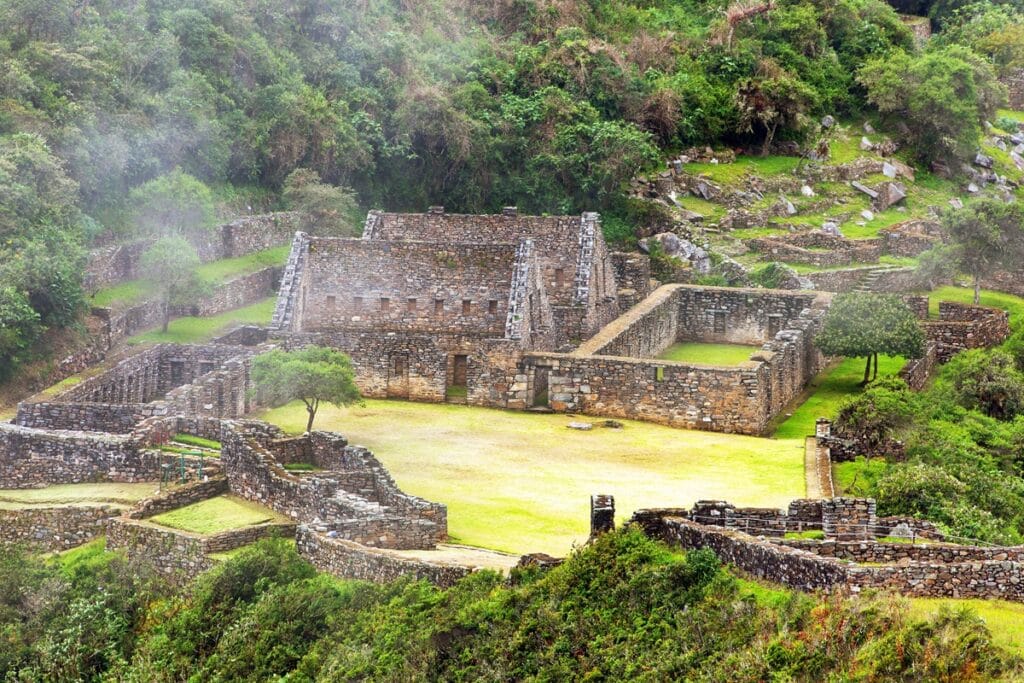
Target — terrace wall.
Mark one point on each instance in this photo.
(963, 326)
(54, 529)
(1014, 83)
(349, 560)
(176, 555)
(118, 263)
(818, 249)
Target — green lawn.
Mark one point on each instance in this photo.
(76, 494)
(1005, 619)
(215, 272)
(1011, 114)
(214, 515)
(191, 330)
(709, 354)
(521, 482)
(731, 174)
(829, 390)
(857, 477)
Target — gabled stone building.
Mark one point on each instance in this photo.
(437, 306)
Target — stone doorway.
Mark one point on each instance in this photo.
(456, 390)
(540, 386)
(398, 376)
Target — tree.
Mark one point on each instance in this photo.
(987, 380)
(774, 99)
(330, 206)
(170, 264)
(174, 203)
(311, 375)
(862, 324)
(989, 234)
(943, 96)
(19, 327)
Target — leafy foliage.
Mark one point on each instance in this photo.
(311, 374)
(170, 263)
(989, 234)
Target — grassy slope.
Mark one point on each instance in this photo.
(830, 389)
(521, 482)
(1004, 619)
(217, 514)
(215, 272)
(709, 354)
(192, 330)
(965, 295)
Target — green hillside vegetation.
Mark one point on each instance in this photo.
(625, 608)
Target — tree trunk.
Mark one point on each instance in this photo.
(167, 316)
(977, 289)
(875, 373)
(867, 371)
(312, 413)
(768, 139)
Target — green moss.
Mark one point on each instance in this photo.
(708, 354)
(731, 174)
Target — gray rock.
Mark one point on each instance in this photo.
(1000, 144)
(807, 191)
(888, 170)
(832, 228)
(675, 246)
(866, 145)
(705, 190)
(983, 161)
(868, 128)
(857, 185)
(785, 207)
(1017, 138)
(1019, 149)
(867, 215)
(582, 426)
(889, 194)
(973, 189)
(1017, 160)
(828, 121)
(956, 203)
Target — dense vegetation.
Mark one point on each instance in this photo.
(109, 108)
(964, 439)
(623, 609)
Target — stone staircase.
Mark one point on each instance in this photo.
(290, 279)
(870, 281)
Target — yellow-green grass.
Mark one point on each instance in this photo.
(857, 477)
(1011, 114)
(128, 293)
(214, 515)
(75, 494)
(521, 482)
(965, 295)
(828, 391)
(191, 330)
(745, 165)
(708, 354)
(1004, 619)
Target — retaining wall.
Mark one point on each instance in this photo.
(54, 529)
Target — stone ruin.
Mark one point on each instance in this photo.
(519, 312)
(347, 514)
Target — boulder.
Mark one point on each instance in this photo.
(675, 246)
(888, 170)
(828, 121)
(889, 194)
(582, 426)
(866, 145)
(832, 228)
(861, 187)
(868, 128)
(867, 215)
(807, 191)
(983, 160)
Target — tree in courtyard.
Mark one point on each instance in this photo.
(989, 234)
(311, 375)
(170, 264)
(862, 324)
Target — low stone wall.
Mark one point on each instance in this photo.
(823, 251)
(236, 538)
(963, 326)
(87, 417)
(179, 497)
(54, 529)
(872, 552)
(178, 556)
(917, 371)
(235, 293)
(804, 570)
(349, 560)
(911, 238)
(254, 473)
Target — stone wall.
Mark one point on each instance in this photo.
(406, 286)
(54, 529)
(87, 417)
(235, 293)
(349, 560)
(179, 497)
(963, 326)
(748, 316)
(255, 474)
(818, 249)
(118, 263)
(980, 575)
(917, 371)
(177, 555)
(633, 275)
(1015, 85)
(885, 280)
(911, 238)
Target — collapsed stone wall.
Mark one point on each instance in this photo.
(964, 326)
(119, 263)
(882, 280)
(54, 529)
(354, 561)
(255, 474)
(818, 249)
(911, 238)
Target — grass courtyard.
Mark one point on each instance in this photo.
(214, 515)
(708, 354)
(521, 482)
(195, 330)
